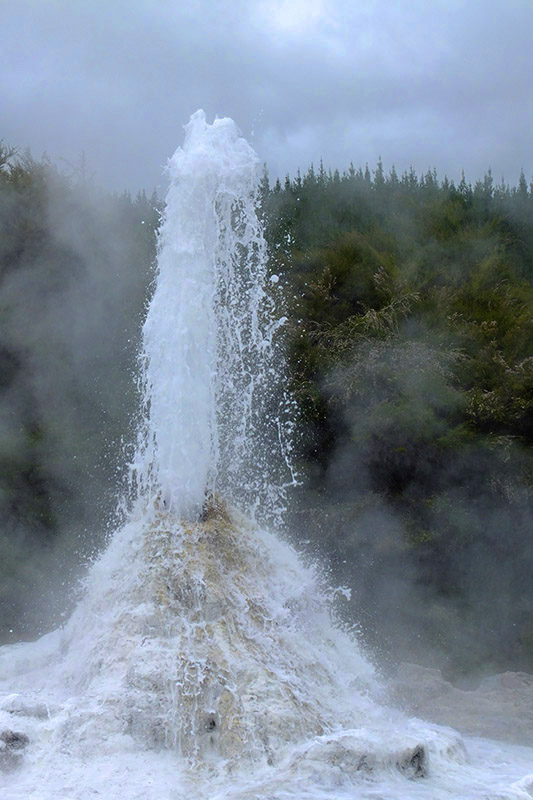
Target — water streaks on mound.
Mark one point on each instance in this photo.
(206, 650)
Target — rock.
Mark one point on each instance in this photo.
(351, 754)
(514, 681)
(27, 705)
(11, 746)
(413, 763)
(501, 707)
(419, 686)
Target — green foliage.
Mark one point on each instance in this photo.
(411, 359)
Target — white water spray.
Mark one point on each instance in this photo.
(202, 661)
(212, 423)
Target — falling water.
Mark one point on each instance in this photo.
(202, 661)
(210, 365)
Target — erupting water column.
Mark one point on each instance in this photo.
(209, 362)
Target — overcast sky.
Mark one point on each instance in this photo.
(439, 83)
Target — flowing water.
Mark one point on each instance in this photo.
(213, 399)
(202, 661)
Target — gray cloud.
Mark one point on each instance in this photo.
(444, 84)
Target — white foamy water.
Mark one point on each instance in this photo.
(210, 366)
(202, 661)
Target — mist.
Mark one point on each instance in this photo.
(410, 364)
(76, 264)
(425, 535)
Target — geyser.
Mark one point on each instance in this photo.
(202, 660)
(210, 368)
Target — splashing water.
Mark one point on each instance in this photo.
(202, 661)
(211, 370)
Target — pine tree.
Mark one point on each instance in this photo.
(379, 177)
(522, 191)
